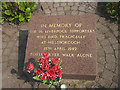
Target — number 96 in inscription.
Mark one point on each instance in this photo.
(61, 48)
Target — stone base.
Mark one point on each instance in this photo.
(80, 77)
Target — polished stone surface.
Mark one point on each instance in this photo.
(78, 53)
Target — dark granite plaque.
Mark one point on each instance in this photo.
(72, 38)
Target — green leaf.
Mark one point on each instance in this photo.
(10, 19)
(52, 86)
(108, 4)
(27, 10)
(118, 18)
(2, 21)
(107, 9)
(17, 16)
(112, 16)
(37, 64)
(33, 73)
(28, 19)
(60, 63)
(51, 81)
(28, 15)
(21, 18)
(49, 86)
(22, 6)
(15, 13)
(18, 3)
(35, 69)
(32, 4)
(10, 4)
(44, 81)
(7, 12)
(4, 4)
(36, 77)
(113, 12)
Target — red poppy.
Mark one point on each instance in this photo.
(39, 71)
(30, 66)
(44, 61)
(47, 59)
(59, 72)
(56, 67)
(51, 73)
(54, 60)
(52, 77)
(44, 77)
(46, 54)
(39, 59)
(45, 66)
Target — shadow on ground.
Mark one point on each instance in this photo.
(22, 48)
(23, 35)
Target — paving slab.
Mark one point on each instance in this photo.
(107, 46)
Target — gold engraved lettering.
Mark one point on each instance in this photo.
(31, 54)
(55, 31)
(63, 42)
(47, 48)
(43, 42)
(43, 37)
(68, 55)
(38, 36)
(91, 30)
(82, 31)
(55, 54)
(78, 24)
(35, 31)
(84, 55)
(72, 48)
(39, 54)
(59, 48)
(43, 25)
(60, 25)
(52, 36)
(40, 31)
(35, 54)
(72, 36)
